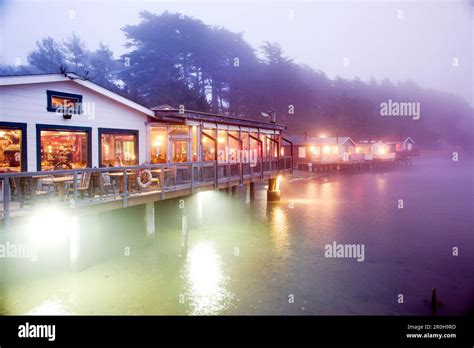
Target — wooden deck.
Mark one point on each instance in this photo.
(115, 188)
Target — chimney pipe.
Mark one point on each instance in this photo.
(273, 118)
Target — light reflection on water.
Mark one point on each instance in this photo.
(281, 251)
(207, 288)
(279, 230)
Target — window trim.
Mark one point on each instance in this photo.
(53, 127)
(134, 132)
(24, 148)
(51, 108)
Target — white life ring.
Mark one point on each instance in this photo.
(148, 180)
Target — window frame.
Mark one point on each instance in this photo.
(24, 148)
(119, 131)
(50, 94)
(53, 127)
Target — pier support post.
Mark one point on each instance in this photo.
(273, 193)
(233, 190)
(150, 219)
(249, 192)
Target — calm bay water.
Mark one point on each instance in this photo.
(254, 258)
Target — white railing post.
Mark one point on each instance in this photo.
(125, 189)
(74, 185)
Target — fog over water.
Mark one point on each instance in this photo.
(249, 258)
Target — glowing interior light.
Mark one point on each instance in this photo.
(326, 149)
(312, 148)
(158, 141)
(322, 135)
(221, 140)
(382, 150)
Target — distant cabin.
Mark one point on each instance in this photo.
(384, 149)
(320, 150)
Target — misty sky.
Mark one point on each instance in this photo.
(370, 34)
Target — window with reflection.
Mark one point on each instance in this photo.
(222, 145)
(254, 147)
(263, 138)
(271, 146)
(234, 147)
(67, 103)
(195, 150)
(118, 148)
(11, 150)
(179, 150)
(208, 145)
(245, 155)
(158, 139)
(63, 149)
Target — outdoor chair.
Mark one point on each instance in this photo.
(83, 185)
(107, 184)
(38, 189)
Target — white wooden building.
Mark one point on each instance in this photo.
(56, 121)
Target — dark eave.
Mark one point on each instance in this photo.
(173, 115)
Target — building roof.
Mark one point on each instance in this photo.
(168, 113)
(302, 140)
(162, 112)
(46, 78)
(385, 140)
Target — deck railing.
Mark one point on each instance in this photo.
(19, 191)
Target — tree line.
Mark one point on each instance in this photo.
(179, 60)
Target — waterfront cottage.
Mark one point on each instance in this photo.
(322, 150)
(375, 150)
(385, 149)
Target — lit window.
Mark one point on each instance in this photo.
(302, 152)
(11, 149)
(222, 146)
(63, 149)
(118, 147)
(208, 145)
(158, 145)
(65, 103)
(234, 147)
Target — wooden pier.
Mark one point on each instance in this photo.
(93, 190)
